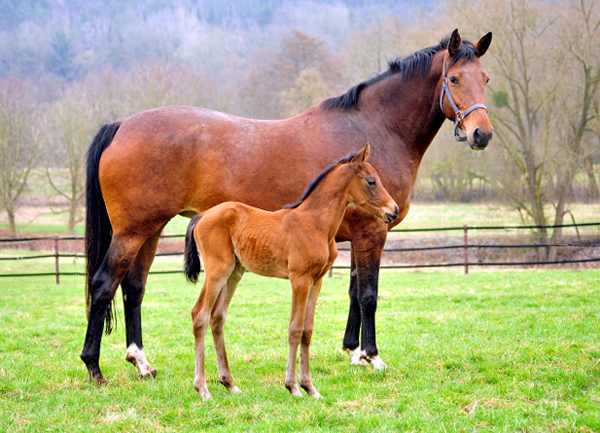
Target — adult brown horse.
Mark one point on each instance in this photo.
(144, 170)
(296, 243)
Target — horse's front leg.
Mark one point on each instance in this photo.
(367, 248)
(309, 320)
(300, 288)
(133, 286)
(351, 342)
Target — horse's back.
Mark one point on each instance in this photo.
(172, 160)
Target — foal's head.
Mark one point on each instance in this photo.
(366, 190)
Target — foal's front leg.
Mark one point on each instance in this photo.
(309, 319)
(300, 289)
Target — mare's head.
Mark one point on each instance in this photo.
(366, 190)
(463, 83)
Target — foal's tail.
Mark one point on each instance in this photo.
(98, 230)
(192, 259)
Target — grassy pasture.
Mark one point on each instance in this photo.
(489, 351)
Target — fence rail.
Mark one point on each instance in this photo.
(466, 247)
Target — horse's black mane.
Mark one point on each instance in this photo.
(318, 179)
(418, 62)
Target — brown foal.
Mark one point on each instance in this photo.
(295, 243)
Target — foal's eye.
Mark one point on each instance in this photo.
(488, 80)
(371, 182)
(454, 80)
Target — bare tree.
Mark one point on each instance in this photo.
(19, 142)
(74, 120)
(298, 53)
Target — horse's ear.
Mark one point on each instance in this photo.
(361, 156)
(484, 43)
(455, 43)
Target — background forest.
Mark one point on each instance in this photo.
(69, 66)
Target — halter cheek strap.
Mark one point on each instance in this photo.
(460, 115)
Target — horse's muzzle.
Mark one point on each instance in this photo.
(480, 139)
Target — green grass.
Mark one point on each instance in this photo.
(489, 351)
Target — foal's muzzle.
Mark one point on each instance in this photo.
(388, 217)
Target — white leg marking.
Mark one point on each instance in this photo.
(356, 357)
(136, 356)
(376, 362)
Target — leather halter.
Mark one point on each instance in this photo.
(460, 115)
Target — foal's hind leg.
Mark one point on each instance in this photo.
(217, 325)
(105, 282)
(214, 282)
(133, 286)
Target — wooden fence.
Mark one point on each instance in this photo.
(466, 247)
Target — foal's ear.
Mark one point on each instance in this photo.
(361, 156)
(454, 44)
(484, 43)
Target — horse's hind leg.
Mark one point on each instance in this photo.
(116, 263)
(133, 286)
(217, 325)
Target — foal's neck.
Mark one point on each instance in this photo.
(326, 205)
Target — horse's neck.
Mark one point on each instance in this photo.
(407, 108)
(326, 205)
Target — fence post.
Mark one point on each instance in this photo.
(57, 266)
(466, 249)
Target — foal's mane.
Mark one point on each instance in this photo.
(418, 62)
(318, 179)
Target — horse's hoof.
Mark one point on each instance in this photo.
(356, 357)
(377, 363)
(235, 390)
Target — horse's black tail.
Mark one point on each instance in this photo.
(192, 259)
(98, 230)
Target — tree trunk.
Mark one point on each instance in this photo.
(11, 221)
(72, 217)
(593, 184)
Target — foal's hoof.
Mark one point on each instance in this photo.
(294, 391)
(149, 373)
(204, 394)
(235, 390)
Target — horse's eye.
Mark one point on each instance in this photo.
(454, 80)
(371, 182)
(488, 80)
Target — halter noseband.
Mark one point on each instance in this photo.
(460, 115)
